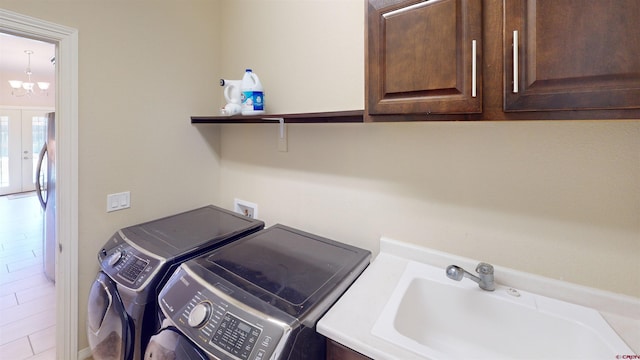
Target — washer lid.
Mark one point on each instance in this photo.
(287, 268)
(190, 231)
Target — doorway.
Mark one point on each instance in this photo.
(66, 105)
(28, 317)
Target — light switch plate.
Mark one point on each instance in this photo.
(118, 201)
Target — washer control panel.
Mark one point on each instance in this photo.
(127, 265)
(216, 323)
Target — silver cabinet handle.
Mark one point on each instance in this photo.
(515, 61)
(474, 70)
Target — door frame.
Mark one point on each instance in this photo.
(66, 41)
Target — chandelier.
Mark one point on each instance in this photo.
(22, 88)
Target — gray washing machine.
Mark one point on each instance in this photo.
(257, 298)
(134, 265)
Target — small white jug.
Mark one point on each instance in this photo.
(231, 90)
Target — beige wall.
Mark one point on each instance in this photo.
(559, 199)
(308, 53)
(144, 68)
(555, 198)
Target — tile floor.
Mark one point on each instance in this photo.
(27, 298)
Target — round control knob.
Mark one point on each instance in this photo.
(199, 315)
(115, 258)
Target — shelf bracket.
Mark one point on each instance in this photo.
(281, 121)
(282, 139)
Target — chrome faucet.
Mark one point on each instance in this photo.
(484, 280)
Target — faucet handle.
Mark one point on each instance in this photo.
(484, 269)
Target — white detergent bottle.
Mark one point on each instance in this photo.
(252, 94)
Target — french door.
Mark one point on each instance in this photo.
(22, 135)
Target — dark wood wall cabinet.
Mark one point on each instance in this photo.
(502, 59)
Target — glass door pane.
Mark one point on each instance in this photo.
(22, 135)
(38, 139)
(10, 159)
(34, 135)
(4, 151)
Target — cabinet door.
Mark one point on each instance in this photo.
(423, 56)
(571, 54)
(337, 351)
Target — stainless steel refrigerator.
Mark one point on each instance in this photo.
(46, 190)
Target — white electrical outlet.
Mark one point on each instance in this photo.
(118, 201)
(245, 208)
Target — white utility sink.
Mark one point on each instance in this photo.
(438, 318)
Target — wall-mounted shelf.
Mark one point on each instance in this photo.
(321, 117)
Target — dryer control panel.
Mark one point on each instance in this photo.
(128, 265)
(217, 322)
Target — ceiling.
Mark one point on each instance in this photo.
(13, 60)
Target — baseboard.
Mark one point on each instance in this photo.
(84, 354)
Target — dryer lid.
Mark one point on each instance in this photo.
(285, 267)
(190, 231)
